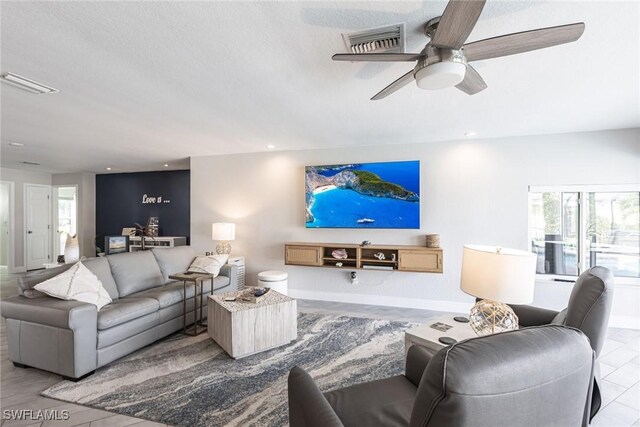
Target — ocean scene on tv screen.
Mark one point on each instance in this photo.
(364, 195)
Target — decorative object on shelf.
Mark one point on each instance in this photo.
(338, 264)
(153, 226)
(365, 243)
(340, 254)
(393, 257)
(116, 244)
(143, 232)
(499, 276)
(379, 255)
(71, 249)
(223, 232)
(433, 240)
(129, 231)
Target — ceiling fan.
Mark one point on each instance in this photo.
(444, 61)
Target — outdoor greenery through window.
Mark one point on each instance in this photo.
(571, 231)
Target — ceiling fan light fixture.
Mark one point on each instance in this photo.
(440, 75)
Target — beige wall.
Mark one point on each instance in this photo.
(473, 191)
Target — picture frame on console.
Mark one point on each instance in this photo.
(116, 244)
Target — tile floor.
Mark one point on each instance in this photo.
(20, 388)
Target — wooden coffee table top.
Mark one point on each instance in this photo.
(270, 298)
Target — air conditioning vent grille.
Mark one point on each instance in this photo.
(384, 39)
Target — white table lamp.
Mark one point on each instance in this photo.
(499, 276)
(223, 232)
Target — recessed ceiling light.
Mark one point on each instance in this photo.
(166, 165)
(108, 169)
(27, 84)
(16, 144)
(271, 146)
(470, 134)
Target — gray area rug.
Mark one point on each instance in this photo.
(191, 381)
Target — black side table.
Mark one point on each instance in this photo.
(197, 280)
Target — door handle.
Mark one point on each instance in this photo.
(29, 232)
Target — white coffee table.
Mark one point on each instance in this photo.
(428, 337)
(245, 328)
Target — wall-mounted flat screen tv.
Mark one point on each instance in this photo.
(363, 195)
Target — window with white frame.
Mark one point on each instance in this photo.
(573, 228)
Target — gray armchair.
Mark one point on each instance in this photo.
(588, 310)
(533, 376)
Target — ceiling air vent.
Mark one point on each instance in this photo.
(383, 39)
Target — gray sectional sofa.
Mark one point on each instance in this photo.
(72, 338)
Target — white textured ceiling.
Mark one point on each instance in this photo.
(144, 83)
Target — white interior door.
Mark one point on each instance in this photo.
(5, 206)
(38, 225)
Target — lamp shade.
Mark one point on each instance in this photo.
(498, 274)
(225, 231)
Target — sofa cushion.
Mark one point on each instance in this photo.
(78, 284)
(209, 264)
(173, 260)
(32, 278)
(124, 310)
(386, 402)
(100, 267)
(135, 272)
(173, 293)
(111, 336)
(165, 295)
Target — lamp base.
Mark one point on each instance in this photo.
(223, 248)
(489, 317)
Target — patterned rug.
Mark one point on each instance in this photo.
(191, 381)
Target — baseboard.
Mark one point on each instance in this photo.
(383, 300)
(624, 322)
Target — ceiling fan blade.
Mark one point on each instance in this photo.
(457, 22)
(393, 87)
(382, 57)
(472, 83)
(525, 41)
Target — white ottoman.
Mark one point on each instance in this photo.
(276, 280)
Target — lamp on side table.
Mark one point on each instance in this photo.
(499, 276)
(223, 232)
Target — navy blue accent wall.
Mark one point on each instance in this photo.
(123, 199)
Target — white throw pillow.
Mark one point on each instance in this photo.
(78, 283)
(208, 264)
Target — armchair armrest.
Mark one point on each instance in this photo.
(307, 405)
(529, 315)
(418, 358)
